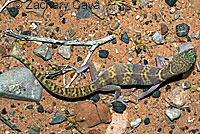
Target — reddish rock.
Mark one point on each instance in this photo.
(94, 131)
(104, 112)
(87, 115)
(164, 29)
(2, 50)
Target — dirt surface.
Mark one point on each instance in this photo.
(129, 22)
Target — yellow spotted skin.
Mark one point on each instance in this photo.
(121, 74)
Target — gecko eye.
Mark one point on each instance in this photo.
(190, 56)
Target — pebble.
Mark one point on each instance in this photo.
(159, 129)
(114, 24)
(51, 24)
(170, 2)
(186, 85)
(173, 113)
(173, 10)
(84, 11)
(2, 50)
(156, 94)
(50, 3)
(71, 32)
(118, 107)
(58, 118)
(137, 17)
(146, 121)
(99, 11)
(196, 34)
(24, 86)
(136, 123)
(79, 59)
(63, 21)
(176, 16)
(94, 131)
(29, 107)
(178, 96)
(43, 52)
(167, 88)
(12, 112)
(24, 14)
(27, 33)
(57, 29)
(143, 3)
(125, 38)
(182, 30)
(95, 98)
(4, 111)
(54, 46)
(158, 38)
(13, 11)
(164, 28)
(134, 2)
(40, 109)
(103, 53)
(34, 130)
(65, 51)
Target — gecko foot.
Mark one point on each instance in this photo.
(120, 99)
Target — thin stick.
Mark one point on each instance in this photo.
(63, 42)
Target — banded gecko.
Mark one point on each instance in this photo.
(122, 74)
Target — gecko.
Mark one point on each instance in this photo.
(122, 74)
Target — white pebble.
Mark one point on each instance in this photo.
(136, 123)
(173, 113)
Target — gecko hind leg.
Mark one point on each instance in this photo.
(92, 68)
(142, 95)
(117, 90)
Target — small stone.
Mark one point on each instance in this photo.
(65, 51)
(4, 111)
(186, 85)
(58, 118)
(143, 3)
(2, 50)
(188, 109)
(158, 38)
(13, 11)
(136, 123)
(125, 38)
(71, 32)
(40, 109)
(134, 2)
(27, 33)
(29, 107)
(170, 2)
(196, 34)
(79, 59)
(193, 88)
(156, 94)
(50, 3)
(99, 10)
(103, 53)
(114, 41)
(146, 121)
(95, 98)
(159, 129)
(176, 16)
(12, 112)
(57, 29)
(173, 113)
(24, 14)
(182, 30)
(114, 24)
(94, 131)
(54, 46)
(63, 21)
(178, 96)
(167, 88)
(34, 130)
(51, 24)
(43, 52)
(173, 10)
(84, 11)
(118, 107)
(172, 126)
(164, 28)
(137, 17)
(193, 131)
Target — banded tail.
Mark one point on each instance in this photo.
(58, 90)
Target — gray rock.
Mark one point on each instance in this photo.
(84, 11)
(34, 130)
(43, 52)
(170, 2)
(13, 11)
(186, 85)
(20, 84)
(176, 16)
(58, 118)
(196, 34)
(158, 38)
(143, 3)
(12, 112)
(125, 38)
(182, 30)
(173, 113)
(173, 10)
(65, 51)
